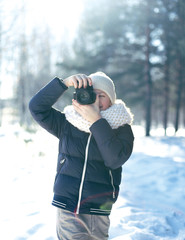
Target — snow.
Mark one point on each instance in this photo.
(151, 204)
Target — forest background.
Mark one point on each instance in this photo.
(139, 44)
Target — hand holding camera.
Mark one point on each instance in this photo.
(78, 81)
(85, 101)
(89, 112)
(84, 93)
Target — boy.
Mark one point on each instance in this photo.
(95, 140)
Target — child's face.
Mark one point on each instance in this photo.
(104, 100)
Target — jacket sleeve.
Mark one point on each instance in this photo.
(114, 146)
(41, 107)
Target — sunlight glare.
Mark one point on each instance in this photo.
(59, 15)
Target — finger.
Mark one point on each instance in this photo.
(78, 108)
(75, 82)
(80, 81)
(85, 80)
(75, 103)
(90, 81)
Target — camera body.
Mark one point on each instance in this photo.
(85, 96)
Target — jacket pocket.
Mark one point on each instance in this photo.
(59, 167)
(62, 161)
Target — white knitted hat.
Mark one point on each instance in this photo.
(102, 82)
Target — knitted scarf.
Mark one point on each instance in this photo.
(116, 115)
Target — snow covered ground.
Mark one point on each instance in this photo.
(151, 205)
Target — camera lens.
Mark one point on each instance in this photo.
(83, 97)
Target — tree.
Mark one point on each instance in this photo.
(8, 24)
(167, 49)
(148, 79)
(137, 52)
(180, 58)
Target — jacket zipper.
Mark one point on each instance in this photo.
(112, 183)
(83, 174)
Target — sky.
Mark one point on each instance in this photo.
(61, 16)
(58, 14)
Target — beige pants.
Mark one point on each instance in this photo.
(81, 226)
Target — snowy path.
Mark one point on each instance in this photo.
(151, 205)
(152, 197)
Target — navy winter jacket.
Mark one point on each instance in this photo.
(89, 165)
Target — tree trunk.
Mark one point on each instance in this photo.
(166, 92)
(180, 60)
(148, 80)
(22, 85)
(167, 64)
(179, 94)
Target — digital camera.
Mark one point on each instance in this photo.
(85, 96)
